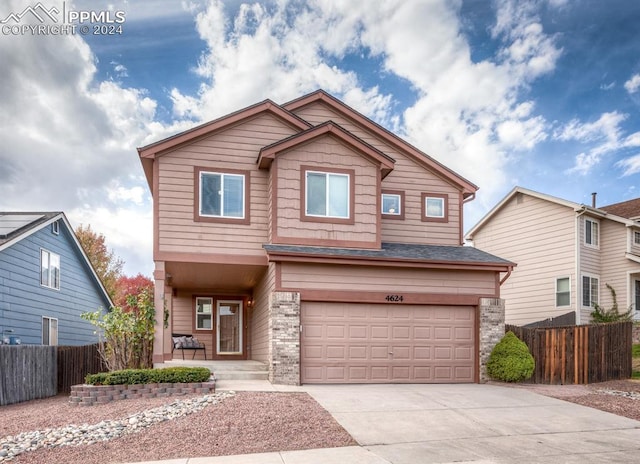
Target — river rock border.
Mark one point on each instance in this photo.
(88, 395)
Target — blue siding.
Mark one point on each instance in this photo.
(23, 301)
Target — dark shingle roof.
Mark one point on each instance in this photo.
(626, 209)
(14, 224)
(399, 251)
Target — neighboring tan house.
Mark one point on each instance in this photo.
(566, 254)
(46, 281)
(307, 237)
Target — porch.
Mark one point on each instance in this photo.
(224, 370)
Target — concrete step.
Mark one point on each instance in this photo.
(226, 370)
(241, 375)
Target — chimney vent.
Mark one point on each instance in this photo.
(593, 199)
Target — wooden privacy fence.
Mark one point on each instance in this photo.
(27, 372)
(579, 354)
(75, 362)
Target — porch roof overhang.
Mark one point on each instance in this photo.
(223, 277)
(394, 255)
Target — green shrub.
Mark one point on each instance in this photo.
(142, 376)
(510, 360)
(604, 315)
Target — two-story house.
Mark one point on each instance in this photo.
(46, 281)
(308, 237)
(566, 254)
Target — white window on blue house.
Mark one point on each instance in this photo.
(55, 228)
(49, 331)
(49, 269)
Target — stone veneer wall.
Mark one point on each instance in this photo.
(88, 395)
(284, 333)
(491, 330)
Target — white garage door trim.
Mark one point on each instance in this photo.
(387, 343)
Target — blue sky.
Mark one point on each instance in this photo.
(542, 94)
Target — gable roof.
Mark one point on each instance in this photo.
(467, 187)
(16, 226)
(286, 113)
(149, 152)
(627, 209)
(575, 207)
(268, 153)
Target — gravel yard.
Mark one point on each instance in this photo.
(248, 422)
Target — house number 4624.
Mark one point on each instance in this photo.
(394, 298)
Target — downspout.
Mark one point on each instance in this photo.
(578, 276)
(507, 275)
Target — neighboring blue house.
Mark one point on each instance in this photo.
(46, 281)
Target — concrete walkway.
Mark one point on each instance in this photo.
(482, 424)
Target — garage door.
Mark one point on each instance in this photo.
(386, 343)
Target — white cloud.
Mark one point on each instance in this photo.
(633, 84)
(603, 137)
(69, 139)
(631, 165)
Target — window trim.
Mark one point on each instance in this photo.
(445, 205)
(400, 194)
(351, 173)
(597, 223)
(197, 193)
(569, 291)
(50, 319)
(195, 314)
(597, 299)
(49, 278)
(55, 228)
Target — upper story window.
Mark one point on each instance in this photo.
(392, 204)
(636, 238)
(55, 228)
(327, 194)
(222, 196)
(49, 269)
(435, 207)
(563, 292)
(591, 234)
(589, 291)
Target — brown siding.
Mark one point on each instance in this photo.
(330, 154)
(410, 177)
(234, 148)
(365, 278)
(260, 316)
(538, 236)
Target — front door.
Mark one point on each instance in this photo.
(229, 327)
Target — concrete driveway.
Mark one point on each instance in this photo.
(476, 423)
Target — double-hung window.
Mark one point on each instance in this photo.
(327, 194)
(636, 238)
(589, 291)
(591, 232)
(49, 269)
(49, 331)
(221, 196)
(563, 291)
